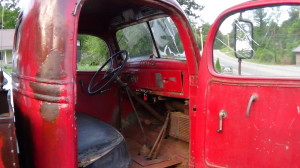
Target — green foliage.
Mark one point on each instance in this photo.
(264, 56)
(10, 18)
(11, 13)
(221, 41)
(190, 6)
(197, 33)
(218, 66)
(136, 40)
(93, 51)
(228, 51)
(260, 18)
(10, 4)
(87, 67)
(276, 41)
(8, 69)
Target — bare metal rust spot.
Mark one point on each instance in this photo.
(49, 111)
(45, 89)
(52, 66)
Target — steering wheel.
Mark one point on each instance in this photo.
(109, 76)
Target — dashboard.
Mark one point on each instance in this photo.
(164, 77)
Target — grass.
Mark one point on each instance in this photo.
(87, 67)
(7, 69)
(228, 51)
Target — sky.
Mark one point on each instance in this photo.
(213, 8)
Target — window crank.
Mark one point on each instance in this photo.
(222, 114)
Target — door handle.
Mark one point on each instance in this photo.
(222, 114)
(252, 99)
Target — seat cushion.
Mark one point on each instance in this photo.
(97, 141)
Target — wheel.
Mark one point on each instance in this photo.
(109, 76)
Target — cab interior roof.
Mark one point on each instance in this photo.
(96, 16)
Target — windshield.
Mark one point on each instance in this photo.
(138, 41)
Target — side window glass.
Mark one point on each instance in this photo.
(136, 40)
(167, 38)
(92, 52)
(259, 42)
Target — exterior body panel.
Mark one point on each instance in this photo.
(43, 76)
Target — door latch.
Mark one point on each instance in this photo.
(222, 114)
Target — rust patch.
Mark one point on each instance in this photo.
(45, 89)
(49, 111)
(52, 66)
(8, 151)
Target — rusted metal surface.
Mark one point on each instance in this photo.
(172, 151)
(49, 111)
(52, 65)
(153, 153)
(43, 88)
(147, 162)
(164, 130)
(180, 126)
(175, 105)
(148, 107)
(8, 143)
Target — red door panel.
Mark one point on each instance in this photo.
(268, 137)
(102, 106)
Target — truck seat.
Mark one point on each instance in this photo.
(100, 145)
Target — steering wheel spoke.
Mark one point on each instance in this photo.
(109, 76)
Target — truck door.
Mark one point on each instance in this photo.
(249, 89)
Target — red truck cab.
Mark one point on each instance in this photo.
(148, 98)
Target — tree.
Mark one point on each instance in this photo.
(190, 6)
(93, 50)
(197, 33)
(11, 13)
(10, 4)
